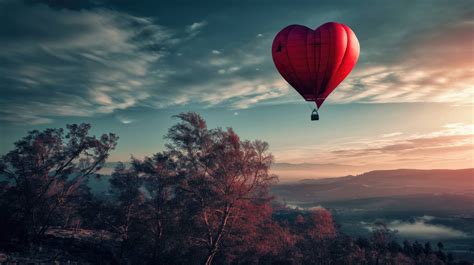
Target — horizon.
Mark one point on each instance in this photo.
(295, 175)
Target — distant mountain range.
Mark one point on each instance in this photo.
(293, 172)
(380, 183)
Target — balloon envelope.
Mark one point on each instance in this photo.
(314, 62)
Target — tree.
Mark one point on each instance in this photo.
(317, 230)
(407, 248)
(381, 237)
(417, 249)
(428, 249)
(440, 252)
(128, 206)
(160, 178)
(47, 171)
(394, 247)
(321, 224)
(225, 183)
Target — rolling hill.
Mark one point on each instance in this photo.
(382, 183)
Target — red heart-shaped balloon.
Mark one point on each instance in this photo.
(315, 62)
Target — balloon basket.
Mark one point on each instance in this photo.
(315, 115)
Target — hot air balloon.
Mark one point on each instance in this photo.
(314, 62)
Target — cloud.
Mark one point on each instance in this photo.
(229, 80)
(421, 228)
(391, 134)
(435, 66)
(216, 52)
(453, 139)
(229, 70)
(235, 92)
(67, 65)
(418, 145)
(453, 144)
(124, 119)
(196, 26)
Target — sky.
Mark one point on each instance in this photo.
(128, 66)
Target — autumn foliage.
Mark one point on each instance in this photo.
(203, 200)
